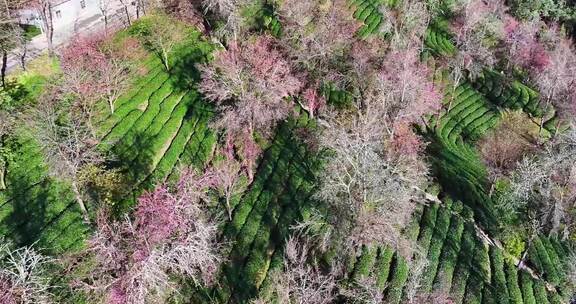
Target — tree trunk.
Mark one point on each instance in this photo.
(23, 54)
(80, 202)
(228, 208)
(3, 68)
(2, 175)
(111, 103)
(127, 15)
(46, 14)
(165, 59)
(141, 4)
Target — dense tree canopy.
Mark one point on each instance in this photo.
(291, 151)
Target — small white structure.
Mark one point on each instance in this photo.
(68, 14)
(65, 14)
(68, 17)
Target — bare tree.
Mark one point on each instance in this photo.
(91, 71)
(571, 268)
(316, 35)
(477, 26)
(163, 37)
(514, 137)
(557, 80)
(373, 179)
(171, 234)
(104, 7)
(44, 10)
(436, 297)
(6, 125)
(125, 4)
(22, 276)
(545, 186)
(409, 25)
(370, 191)
(300, 281)
(230, 11)
(418, 267)
(363, 291)
(10, 34)
(68, 142)
(227, 178)
(257, 77)
(187, 11)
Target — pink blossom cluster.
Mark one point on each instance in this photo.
(524, 48)
(82, 63)
(408, 81)
(256, 77)
(7, 295)
(169, 234)
(314, 101)
(405, 143)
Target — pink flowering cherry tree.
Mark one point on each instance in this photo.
(249, 82)
(170, 234)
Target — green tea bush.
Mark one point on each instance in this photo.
(527, 288)
(257, 260)
(398, 278)
(111, 124)
(498, 276)
(554, 257)
(143, 121)
(252, 224)
(489, 296)
(365, 262)
(171, 156)
(548, 268)
(462, 269)
(382, 267)
(439, 40)
(540, 292)
(474, 290)
(427, 227)
(450, 251)
(367, 12)
(436, 245)
(555, 298)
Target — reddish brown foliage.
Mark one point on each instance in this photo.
(508, 143)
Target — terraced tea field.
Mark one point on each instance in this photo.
(367, 12)
(438, 39)
(159, 125)
(35, 207)
(460, 263)
(456, 164)
(278, 197)
(163, 122)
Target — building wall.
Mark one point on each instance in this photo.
(69, 13)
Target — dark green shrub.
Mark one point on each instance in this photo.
(365, 262)
(398, 278)
(382, 267)
(500, 291)
(436, 245)
(527, 288)
(540, 292)
(513, 284)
